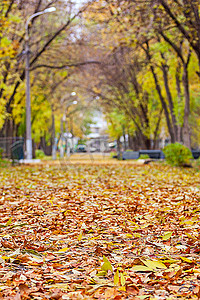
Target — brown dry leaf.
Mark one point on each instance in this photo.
(173, 288)
(132, 289)
(96, 230)
(110, 293)
(8, 244)
(196, 291)
(24, 289)
(56, 295)
(118, 297)
(17, 296)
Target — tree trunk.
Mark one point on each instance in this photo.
(9, 128)
(155, 136)
(169, 124)
(53, 136)
(170, 101)
(46, 148)
(186, 127)
(179, 94)
(130, 141)
(33, 149)
(119, 152)
(124, 137)
(158, 88)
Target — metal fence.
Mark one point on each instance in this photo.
(6, 143)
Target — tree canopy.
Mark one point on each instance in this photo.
(138, 60)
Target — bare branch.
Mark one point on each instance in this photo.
(66, 66)
(9, 8)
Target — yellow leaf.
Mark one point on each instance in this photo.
(167, 236)
(153, 264)
(63, 249)
(190, 236)
(3, 287)
(142, 297)
(141, 268)
(188, 222)
(196, 270)
(106, 265)
(137, 235)
(66, 212)
(5, 257)
(101, 273)
(80, 236)
(129, 235)
(116, 278)
(123, 280)
(179, 198)
(62, 286)
(9, 221)
(190, 261)
(144, 226)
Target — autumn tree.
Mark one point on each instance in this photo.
(46, 36)
(147, 27)
(116, 81)
(185, 16)
(8, 51)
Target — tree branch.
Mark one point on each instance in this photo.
(66, 65)
(179, 25)
(177, 49)
(9, 8)
(40, 53)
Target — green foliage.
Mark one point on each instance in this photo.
(196, 164)
(144, 156)
(82, 142)
(116, 121)
(1, 152)
(177, 155)
(39, 154)
(86, 122)
(113, 154)
(5, 163)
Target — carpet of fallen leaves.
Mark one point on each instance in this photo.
(99, 231)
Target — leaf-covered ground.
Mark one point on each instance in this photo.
(99, 231)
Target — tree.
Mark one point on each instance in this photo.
(8, 50)
(185, 15)
(147, 26)
(42, 42)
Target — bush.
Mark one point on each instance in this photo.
(177, 155)
(144, 156)
(197, 163)
(1, 153)
(39, 154)
(113, 154)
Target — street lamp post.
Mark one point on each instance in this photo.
(72, 138)
(63, 120)
(29, 155)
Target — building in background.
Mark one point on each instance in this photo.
(98, 138)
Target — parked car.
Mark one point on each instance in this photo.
(81, 148)
(93, 149)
